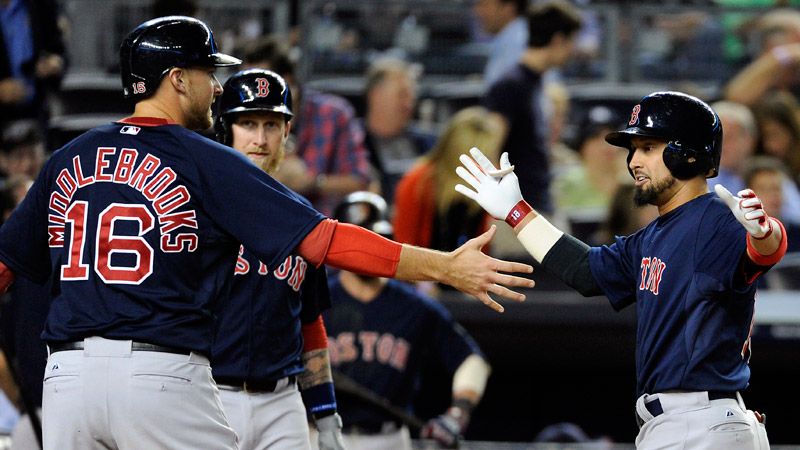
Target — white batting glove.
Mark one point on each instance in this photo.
(748, 210)
(497, 191)
(330, 432)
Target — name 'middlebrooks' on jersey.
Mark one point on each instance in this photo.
(694, 309)
(383, 344)
(141, 226)
(258, 335)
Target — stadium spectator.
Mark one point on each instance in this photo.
(32, 58)
(517, 97)
(393, 142)
(777, 67)
(428, 210)
(505, 21)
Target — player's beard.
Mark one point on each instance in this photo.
(199, 115)
(649, 194)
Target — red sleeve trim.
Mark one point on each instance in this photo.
(147, 121)
(6, 278)
(774, 258)
(315, 245)
(315, 337)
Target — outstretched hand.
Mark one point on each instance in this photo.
(748, 210)
(496, 190)
(473, 272)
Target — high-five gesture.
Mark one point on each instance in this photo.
(497, 191)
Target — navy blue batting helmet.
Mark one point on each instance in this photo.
(252, 90)
(158, 45)
(691, 128)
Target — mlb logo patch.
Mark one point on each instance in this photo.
(128, 129)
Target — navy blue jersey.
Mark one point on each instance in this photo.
(141, 226)
(383, 344)
(694, 308)
(258, 334)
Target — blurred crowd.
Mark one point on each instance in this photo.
(376, 140)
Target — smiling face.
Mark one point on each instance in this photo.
(261, 136)
(653, 181)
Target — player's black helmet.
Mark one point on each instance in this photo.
(158, 45)
(691, 128)
(365, 209)
(251, 90)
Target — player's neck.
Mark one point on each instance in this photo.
(363, 289)
(685, 192)
(153, 107)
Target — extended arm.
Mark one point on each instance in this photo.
(766, 236)
(467, 268)
(497, 191)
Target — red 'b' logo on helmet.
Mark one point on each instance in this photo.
(635, 115)
(263, 87)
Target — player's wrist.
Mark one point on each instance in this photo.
(538, 236)
(766, 235)
(517, 213)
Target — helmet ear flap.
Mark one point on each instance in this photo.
(222, 130)
(682, 161)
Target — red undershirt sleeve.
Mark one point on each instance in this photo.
(314, 335)
(352, 248)
(6, 277)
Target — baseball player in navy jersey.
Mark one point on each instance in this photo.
(382, 333)
(269, 332)
(691, 272)
(140, 223)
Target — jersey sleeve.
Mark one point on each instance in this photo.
(258, 211)
(450, 340)
(315, 296)
(24, 236)
(613, 269)
(720, 245)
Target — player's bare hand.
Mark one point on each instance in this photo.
(748, 210)
(496, 190)
(477, 274)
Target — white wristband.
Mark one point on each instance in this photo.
(538, 237)
(471, 375)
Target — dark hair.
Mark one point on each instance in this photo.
(274, 51)
(521, 5)
(549, 18)
(761, 163)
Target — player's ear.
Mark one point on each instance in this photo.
(177, 78)
(287, 129)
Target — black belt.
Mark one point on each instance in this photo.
(252, 386)
(654, 406)
(135, 346)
